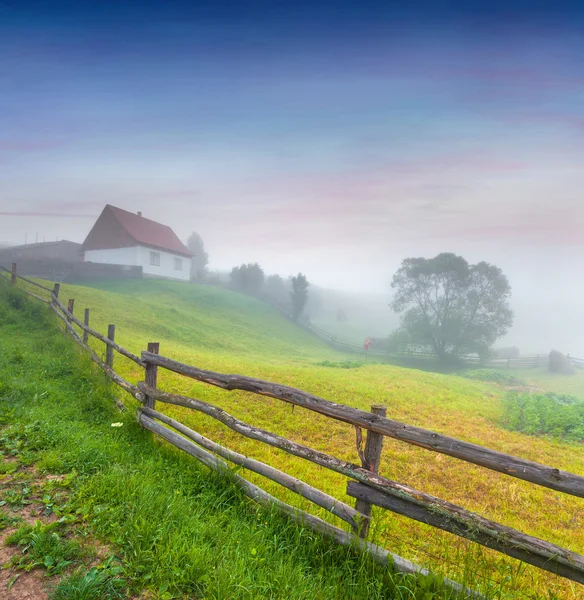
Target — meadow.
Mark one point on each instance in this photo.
(224, 331)
(93, 507)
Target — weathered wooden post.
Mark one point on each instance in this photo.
(508, 362)
(151, 374)
(109, 351)
(86, 322)
(56, 289)
(372, 458)
(70, 307)
(13, 279)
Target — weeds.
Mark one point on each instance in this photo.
(557, 415)
(494, 375)
(42, 546)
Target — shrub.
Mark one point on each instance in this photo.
(557, 415)
(494, 375)
(347, 364)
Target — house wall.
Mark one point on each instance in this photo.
(140, 256)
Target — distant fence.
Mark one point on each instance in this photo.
(536, 361)
(365, 483)
(73, 272)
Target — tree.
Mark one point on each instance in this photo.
(200, 257)
(248, 279)
(451, 307)
(277, 292)
(299, 295)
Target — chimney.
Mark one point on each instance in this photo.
(139, 213)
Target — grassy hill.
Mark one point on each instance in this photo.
(93, 507)
(220, 330)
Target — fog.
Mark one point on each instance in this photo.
(335, 145)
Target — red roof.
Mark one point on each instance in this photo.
(118, 228)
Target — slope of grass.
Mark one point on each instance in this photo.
(219, 330)
(178, 530)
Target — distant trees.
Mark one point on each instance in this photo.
(277, 291)
(248, 279)
(451, 307)
(200, 258)
(299, 295)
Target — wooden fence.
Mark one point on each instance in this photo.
(365, 483)
(521, 362)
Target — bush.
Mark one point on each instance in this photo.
(494, 375)
(347, 364)
(557, 415)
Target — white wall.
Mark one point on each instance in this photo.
(140, 256)
(166, 268)
(115, 256)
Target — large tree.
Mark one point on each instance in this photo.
(452, 307)
(248, 278)
(299, 295)
(200, 257)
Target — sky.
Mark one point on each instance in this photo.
(333, 140)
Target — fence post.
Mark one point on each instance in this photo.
(372, 455)
(151, 374)
(56, 289)
(109, 351)
(13, 280)
(86, 322)
(508, 362)
(70, 307)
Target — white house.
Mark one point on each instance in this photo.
(119, 237)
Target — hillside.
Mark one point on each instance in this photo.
(220, 330)
(93, 507)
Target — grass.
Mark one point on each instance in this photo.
(176, 530)
(557, 415)
(43, 546)
(224, 331)
(494, 376)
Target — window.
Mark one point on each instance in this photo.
(178, 264)
(155, 259)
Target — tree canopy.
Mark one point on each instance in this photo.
(451, 307)
(200, 257)
(248, 278)
(299, 295)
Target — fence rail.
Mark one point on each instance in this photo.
(365, 484)
(531, 361)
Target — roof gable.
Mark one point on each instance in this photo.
(118, 228)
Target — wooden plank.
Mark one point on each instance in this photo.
(109, 351)
(527, 470)
(99, 336)
(506, 540)
(371, 460)
(262, 497)
(86, 323)
(34, 283)
(318, 497)
(151, 375)
(120, 381)
(37, 297)
(459, 516)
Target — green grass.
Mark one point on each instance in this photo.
(557, 415)
(220, 330)
(494, 375)
(176, 529)
(43, 546)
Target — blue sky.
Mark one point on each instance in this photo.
(306, 137)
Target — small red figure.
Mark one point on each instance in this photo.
(367, 344)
